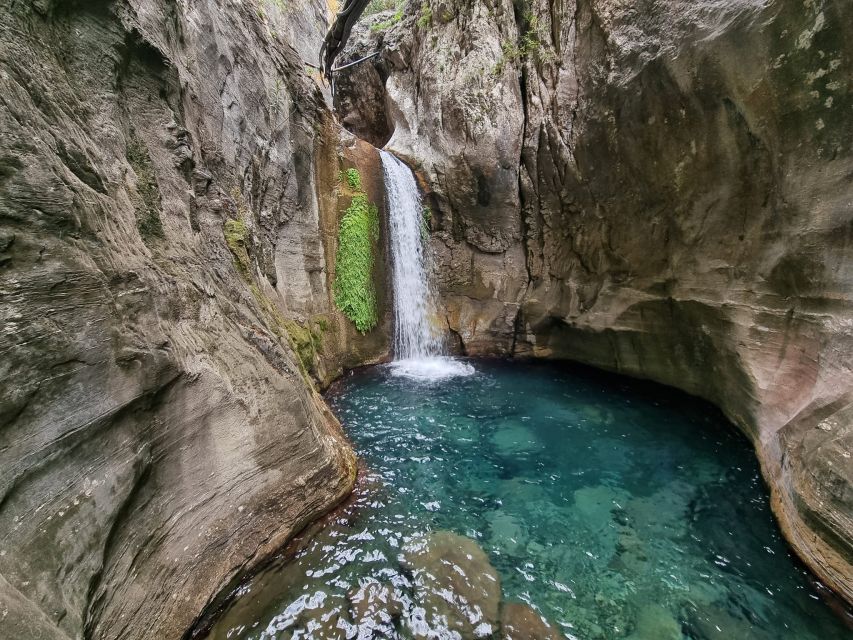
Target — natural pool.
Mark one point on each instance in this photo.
(610, 507)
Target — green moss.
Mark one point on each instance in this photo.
(425, 19)
(354, 292)
(304, 343)
(426, 218)
(147, 202)
(240, 202)
(237, 238)
(378, 6)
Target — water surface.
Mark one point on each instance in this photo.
(610, 508)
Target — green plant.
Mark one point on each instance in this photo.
(426, 218)
(354, 292)
(352, 177)
(530, 44)
(425, 19)
(378, 6)
(386, 24)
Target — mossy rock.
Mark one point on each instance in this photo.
(237, 238)
(147, 203)
(304, 342)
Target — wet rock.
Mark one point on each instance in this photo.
(315, 615)
(512, 440)
(710, 623)
(596, 506)
(455, 584)
(521, 622)
(506, 532)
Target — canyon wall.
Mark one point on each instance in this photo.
(660, 189)
(168, 210)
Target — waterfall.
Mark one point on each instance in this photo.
(417, 349)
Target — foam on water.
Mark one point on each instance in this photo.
(431, 369)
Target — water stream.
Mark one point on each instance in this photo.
(418, 349)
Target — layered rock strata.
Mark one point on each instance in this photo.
(168, 207)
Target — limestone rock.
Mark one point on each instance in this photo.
(159, 236)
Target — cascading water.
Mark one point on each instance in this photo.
(417, 349)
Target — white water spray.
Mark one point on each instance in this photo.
(417, 348)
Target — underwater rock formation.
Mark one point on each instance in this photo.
(455, 583)
(661, 190)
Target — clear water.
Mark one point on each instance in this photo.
(418, 351)
(613, 509)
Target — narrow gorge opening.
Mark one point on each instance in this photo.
(290, 359)
(511, 499)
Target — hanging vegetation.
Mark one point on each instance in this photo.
(355, 294)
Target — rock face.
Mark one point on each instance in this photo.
(659, 189)
(164, 252)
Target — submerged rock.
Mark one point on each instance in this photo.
(506, 532)
(521, 622)
(455, 584)
(514, 440)
(656, 623)
(710, 623)
(374, 607)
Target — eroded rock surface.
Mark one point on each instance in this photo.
(659, 189)
(164, 250)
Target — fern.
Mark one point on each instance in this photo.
(355, 295)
